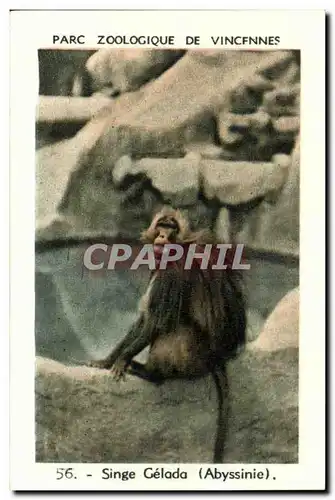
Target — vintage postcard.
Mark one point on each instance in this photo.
(167, 250)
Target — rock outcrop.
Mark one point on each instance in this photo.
(122, 70)
(281, 330)
(82, 415)
(275, 226)
(237, 111)
(215, 133)
(58, 70)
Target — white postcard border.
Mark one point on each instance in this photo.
(304, 30)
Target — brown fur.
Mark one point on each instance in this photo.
(193, 320)
(185, 235)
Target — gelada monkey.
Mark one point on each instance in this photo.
(194, 320)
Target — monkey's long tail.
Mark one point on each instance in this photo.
(222, 388)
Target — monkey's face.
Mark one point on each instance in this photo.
(168, 226)
(166, 231)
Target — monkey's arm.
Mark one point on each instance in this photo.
(132, 345)
(136, 339)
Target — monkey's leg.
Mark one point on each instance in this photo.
(140, 370)
(135, 332)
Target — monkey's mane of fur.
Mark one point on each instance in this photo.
(221, 303)
(220, 300)
(170, 298)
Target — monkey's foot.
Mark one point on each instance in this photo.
(103, 364)
(140, 370)
(119, 368)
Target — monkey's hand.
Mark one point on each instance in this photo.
(119, 369)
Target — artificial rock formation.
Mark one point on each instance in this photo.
(275, 226)
(216, 134)
(82, 415)
(221, 120)
(125, 70)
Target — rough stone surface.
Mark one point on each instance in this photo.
(280, 71)
(84, 416)
(63, 109)
(125, 70)
(57, 164)
(291, 76)
(95, 206)
(205, 150)
(54, 166)
(233, 128)
(282, 101)
(287, 125)
(259, 120)
(201, 215)
(257, 136)
(275, 226)
(281, 329)
(175, 104)
(255, 323)
(223, 226)
(235, 183)
(58, 70)
(248, 95)
(236, 113)
(168, 117)
(176, 179)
